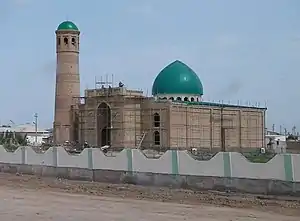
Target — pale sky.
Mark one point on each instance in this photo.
(247, 50)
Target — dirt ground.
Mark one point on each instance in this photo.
(29, 198)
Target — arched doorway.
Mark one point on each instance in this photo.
(103, 125)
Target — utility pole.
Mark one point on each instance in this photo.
(280, 130)
(36, 126)
(294, 130)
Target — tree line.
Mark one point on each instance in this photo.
(12, 140)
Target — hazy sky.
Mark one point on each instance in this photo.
(241, 50)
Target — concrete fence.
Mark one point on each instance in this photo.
(176, 168)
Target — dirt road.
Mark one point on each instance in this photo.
(27, 198)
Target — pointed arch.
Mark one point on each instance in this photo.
(103, 125)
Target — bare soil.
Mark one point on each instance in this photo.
(29, 198)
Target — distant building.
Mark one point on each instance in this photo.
(276, 142)
(269, 132)
(175, 116)
(30, 131)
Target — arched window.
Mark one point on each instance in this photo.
(58, 41)
(66, 40)
(156, 120)
(192, 99)
(186, 99)
(156, 138)
(73, 41)
(165, 98)
(197, 99)
(178, 98)
(171, 98)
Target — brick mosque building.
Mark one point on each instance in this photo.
(175, 116)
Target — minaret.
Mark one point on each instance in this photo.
(67, 79)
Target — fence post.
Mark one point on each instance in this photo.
(227, 164)
(288, 167)
(90, 159)
(175, 167)
(54, 155)
(129, 160)
(23, 155)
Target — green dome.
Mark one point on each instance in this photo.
(177, 78)
(67, 25)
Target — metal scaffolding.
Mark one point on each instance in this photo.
(139, 122)
(218, 128)
(119, 121)
(118, 117)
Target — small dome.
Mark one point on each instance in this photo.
(177, 78)
(67, 25)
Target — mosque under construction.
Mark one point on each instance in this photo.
(174, 117)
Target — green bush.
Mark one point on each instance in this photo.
(11, 140)
(257, 157)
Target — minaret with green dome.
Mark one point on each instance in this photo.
(67, 79)
(177, 81)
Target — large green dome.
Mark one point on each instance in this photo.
(177, 78)
(67, 25)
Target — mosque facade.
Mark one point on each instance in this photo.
(174, 117)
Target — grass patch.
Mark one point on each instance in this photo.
(258, 157)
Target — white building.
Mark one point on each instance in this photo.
(276, 142)
(34, 137)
